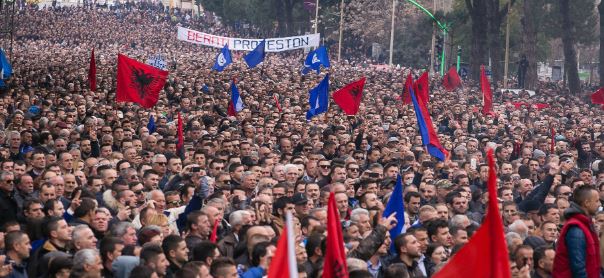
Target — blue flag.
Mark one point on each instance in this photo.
(429, 137)
(5, 68)
(223, 59)
(255, 57)
(315, 59)
(151, 124)
(319, 99)
(395, 204)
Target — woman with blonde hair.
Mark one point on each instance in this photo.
(161, 221)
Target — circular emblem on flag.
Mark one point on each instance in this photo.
(315, 59)
(221, 60)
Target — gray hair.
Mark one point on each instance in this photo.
(246, 174)
(84, 256)
(77, 232)
(236, 217)
(216, 201)
(510, 236)
(4, 174)
(356, 213)
(519, 227)
(121, 228)
(460, 220)
(289, 167)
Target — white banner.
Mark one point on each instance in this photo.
(272, 45)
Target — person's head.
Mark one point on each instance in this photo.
(412, 202)
(223, 267)
(437, 253)
(524, 256)
(549, 231)
(87, 261)
(83, 238)
(153, 256)
(175, 249)
(543, 258)
(100, 223)
(57, 230)
(7, 181)
(587, 198)
(361, 218)
(407, 245)
(33, 209)
(205, 251)
(438, 231)
(110, 248)
(144, 271)
(17, 245)
(126, 232)
(199, 224)
(86, 209)
(262, 254)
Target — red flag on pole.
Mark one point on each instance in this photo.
(214, 235)
(138, 82)
(277, 103)
(284, 262)
(334, 265)
(422, 87)
(451, 80)
(486, 252)
(180, 144)
(486, 93)
(350, 96)
(598, 96)
(406, 92)
(92, 72)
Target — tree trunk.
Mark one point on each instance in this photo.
(478, 14)
(494, 39)
(289, 18)
(601, 66)
(529, 40)
(570, 54)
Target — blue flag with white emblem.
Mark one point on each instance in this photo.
(5, 68)
(257, 55)
(395, 204)
(315, 59)
(319, 99)
(223, 59)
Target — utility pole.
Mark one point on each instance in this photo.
(507, 48)
(392, 32)
(317, 16)
(341, 29)
(433, 41)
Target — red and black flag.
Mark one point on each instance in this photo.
(422, 87)
(92, 72)
(406, 89)
(451, 80)
(349, 98)
(138, 82)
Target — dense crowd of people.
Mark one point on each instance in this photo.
(88, 189)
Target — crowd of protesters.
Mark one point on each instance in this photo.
(88, 190)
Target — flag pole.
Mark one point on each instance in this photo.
(341, 29)
(392, 31)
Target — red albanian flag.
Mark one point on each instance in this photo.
(486, 252)
(350, 96)
(421, 87)
(451, 80)
(138, 82)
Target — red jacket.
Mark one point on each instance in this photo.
(592, 245)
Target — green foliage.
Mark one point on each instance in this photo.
(584, 15)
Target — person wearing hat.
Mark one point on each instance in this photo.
(301, 203)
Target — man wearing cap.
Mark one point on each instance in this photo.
(301, 205)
